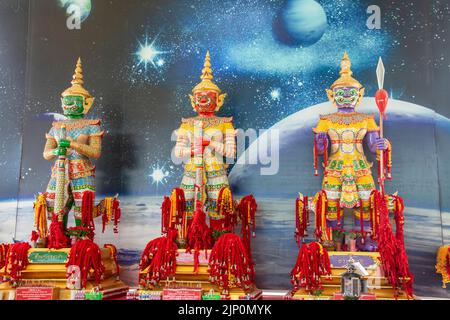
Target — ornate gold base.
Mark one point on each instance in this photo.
(377, 284)
(185, 277)
(47, 269)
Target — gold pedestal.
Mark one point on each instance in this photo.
(185, 276)
(47, 268)
(377, 284)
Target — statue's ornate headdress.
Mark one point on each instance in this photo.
(207, 84)
(346, 79)
(78, 89)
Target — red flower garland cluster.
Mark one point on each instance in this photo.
(246, 211)
(56, 238)
(86, 255)
(312, 263)
(87, 209)
(392, 248)
(16, 259)
(199, 235)
(229, 263)
(160, 257)
(109, 209)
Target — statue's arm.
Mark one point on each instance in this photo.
(93, 149)
(50, 149)
(230, 142)
(183, 145)
(374, 142)
(321, 136)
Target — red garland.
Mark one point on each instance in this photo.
(247, 211)
(34, 236)
(199, 236)
(319, 216)
(312, 263)
(86, 255)
(113, 215)
(56, 238)
(16, 259)
(402, 258)
(229, 220)
(165, 215)
(180, 207)
(87, 209)
(391, 248)
(229, 259)
(160, 257)
(301, 219)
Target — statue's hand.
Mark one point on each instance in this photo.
(60, 151)
(321, 137)
(381, 143)
(64, 143)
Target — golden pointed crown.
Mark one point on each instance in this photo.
(346, 79)
(77, 87)
(207, 76)
(77, 83)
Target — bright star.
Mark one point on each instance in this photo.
(275, 94)
(148, 53)
(159, 175)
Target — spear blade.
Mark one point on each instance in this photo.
(381, 71)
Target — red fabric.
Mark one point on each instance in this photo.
(312, 263)
(199, 235)
(229, 258)
(17, 259)
(56, 238)
(86, 255)
(160, 257)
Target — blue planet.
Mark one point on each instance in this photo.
(300, 23)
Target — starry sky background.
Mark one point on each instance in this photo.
(141, 104)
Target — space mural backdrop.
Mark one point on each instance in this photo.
(274, 58)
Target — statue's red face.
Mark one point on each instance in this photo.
(205, 102)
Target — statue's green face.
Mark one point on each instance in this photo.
(73, 106)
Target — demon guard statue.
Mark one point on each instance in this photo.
(348, 184)
(204, 142)
(62, 251)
